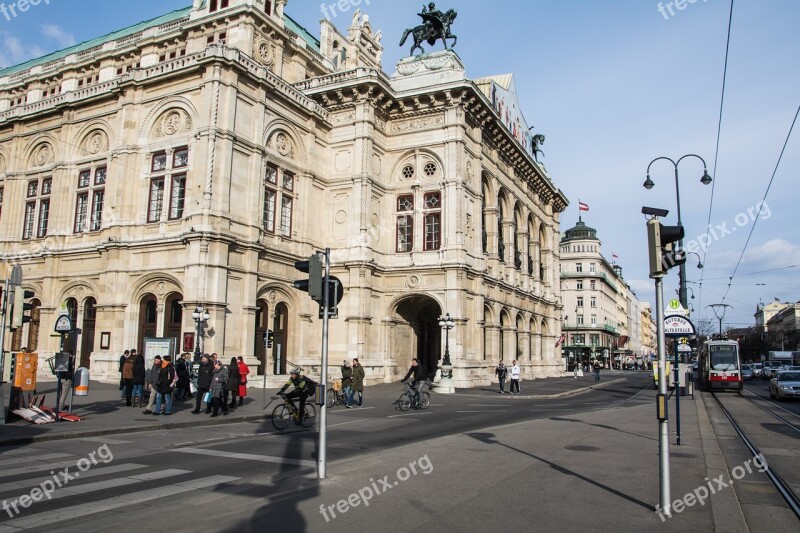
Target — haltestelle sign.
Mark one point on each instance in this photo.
(678, 325)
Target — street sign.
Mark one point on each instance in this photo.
(674, 307)
(678, 326)
(63, 324)
(684, 348)
(63, 310)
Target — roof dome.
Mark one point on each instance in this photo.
(580, 232)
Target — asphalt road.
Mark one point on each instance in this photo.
(175, 479)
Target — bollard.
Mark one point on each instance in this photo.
(80, 382)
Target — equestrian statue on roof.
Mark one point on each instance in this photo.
(436, 25)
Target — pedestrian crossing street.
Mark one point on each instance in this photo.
(23, 478)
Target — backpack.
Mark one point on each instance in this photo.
(311, 386)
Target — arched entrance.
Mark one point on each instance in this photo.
(420, 336)
(262, 322)
(87, 336)
(280, 329)
(148, 319)
(71, 339)
(173, 322)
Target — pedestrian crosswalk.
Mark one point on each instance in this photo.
(42, 500)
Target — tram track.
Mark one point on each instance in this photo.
(752, 399)
(784, 488)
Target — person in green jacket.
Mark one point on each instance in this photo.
(347, 384)
(358, 381)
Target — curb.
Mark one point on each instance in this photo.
(133, 429)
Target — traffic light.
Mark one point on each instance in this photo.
(335, 294)
(18, 316)
(313, 285)
(661, 247)
(269, 337)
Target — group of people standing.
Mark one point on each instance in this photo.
(216, 383)
(166, 381)
(353, 382)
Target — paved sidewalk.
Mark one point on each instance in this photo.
(596, 470)
(104, 413)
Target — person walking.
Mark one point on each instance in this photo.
(218, 382)
(122, 359)
(358, 381)
(596, 370)
(164, 386)
(515, 372)
(155, 375)
(233, 381)
(347, 384)
(501, 372)
(205, 372)
(243, 372)
(127, 376)
(138, 380)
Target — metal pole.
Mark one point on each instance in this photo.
(323, 419)
(3, 350)
(663, 425)
(677, 394)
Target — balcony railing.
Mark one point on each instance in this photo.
(594, 327)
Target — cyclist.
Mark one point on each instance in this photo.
(419, 378)
(302, 390)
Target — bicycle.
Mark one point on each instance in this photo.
(284, 413)
(335, 395)
(408, 398)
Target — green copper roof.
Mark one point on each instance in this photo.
(87, 45)
(290, 23)
(178, 14)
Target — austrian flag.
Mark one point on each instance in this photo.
(582, 206)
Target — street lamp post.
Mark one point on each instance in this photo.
(649, 184)
(446, 382)
(200, 317)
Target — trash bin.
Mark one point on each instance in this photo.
(80, 382)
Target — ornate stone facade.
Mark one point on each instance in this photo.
(237, 144)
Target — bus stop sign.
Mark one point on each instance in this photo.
(678, 326)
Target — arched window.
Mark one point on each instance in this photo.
(501, 245)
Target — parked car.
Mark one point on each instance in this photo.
(785, 384)
(747, 372)
(758, 369)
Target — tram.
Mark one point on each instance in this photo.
(719, 366)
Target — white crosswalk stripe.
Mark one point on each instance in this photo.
(86, 509)
(94, 472)
(31, 458)
(248, 457)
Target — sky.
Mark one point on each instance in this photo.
(612, 85)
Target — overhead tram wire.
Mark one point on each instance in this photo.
(763, 200)
(716, 151)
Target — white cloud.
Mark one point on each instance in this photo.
(14, 52)
(54, 32)
(774, 253)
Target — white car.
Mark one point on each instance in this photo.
(785, 384)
